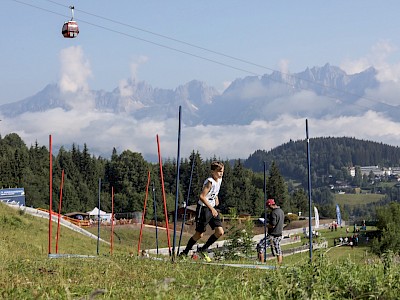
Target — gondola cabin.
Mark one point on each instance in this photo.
(70, 29)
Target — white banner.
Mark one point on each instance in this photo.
(316, 215)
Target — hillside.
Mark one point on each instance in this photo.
(328, 156)
(27, 273)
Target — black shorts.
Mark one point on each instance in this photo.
(204, 217)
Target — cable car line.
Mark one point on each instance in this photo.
(208, 59)
(228, 56)
(150, 42)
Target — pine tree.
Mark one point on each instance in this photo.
(277, 189)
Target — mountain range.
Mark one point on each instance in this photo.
(315, 92)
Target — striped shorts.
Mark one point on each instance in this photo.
(276, 245)
(263, 243)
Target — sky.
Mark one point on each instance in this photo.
(169, 43)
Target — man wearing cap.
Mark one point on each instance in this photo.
(275, 228)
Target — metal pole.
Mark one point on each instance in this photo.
(112, 222)
(50, 190)
(177, 183)
(309, 192)
(265, 210)
(98, 221)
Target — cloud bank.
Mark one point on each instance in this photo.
(102, 131)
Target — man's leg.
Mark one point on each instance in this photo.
(280, 253)
(276, 248)
(279, 258)
(192, 241)
(219, 231)
(261, 257)
(201, 223)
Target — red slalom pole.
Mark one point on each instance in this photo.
(144, 211)
(112, 221)
(163, 195)
(51, 189)
(59, 211)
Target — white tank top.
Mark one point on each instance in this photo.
(213, 193)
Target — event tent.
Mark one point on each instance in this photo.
(94, 213)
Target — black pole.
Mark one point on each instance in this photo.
(265, 210)
(98, 221)
(155, 214)
(186, 203)
(177, 183)
(309, 192)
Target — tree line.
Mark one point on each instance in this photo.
(243, 184)
(86, 175)
(242, 190)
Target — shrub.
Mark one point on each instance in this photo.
(291, 217)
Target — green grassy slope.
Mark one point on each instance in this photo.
(357, 199)
(27, 273)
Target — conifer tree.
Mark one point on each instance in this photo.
(277, 189)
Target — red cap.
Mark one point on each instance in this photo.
(270, 202)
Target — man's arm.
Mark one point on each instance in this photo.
(273, 220)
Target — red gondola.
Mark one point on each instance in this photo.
(70, 28)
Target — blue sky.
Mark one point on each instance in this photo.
(279, 35)
(125, 39)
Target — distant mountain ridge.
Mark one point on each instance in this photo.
(245, 100)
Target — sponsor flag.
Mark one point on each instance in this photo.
(316, 215)
(338, 215)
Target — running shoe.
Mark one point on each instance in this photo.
(204, 256)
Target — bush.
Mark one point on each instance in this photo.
(291, 217)
(240, 243)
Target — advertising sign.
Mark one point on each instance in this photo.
(13, 196)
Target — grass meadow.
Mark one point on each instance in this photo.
(26, 271)
(357, 199)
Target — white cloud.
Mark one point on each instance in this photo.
(284, 66)
(75, 70)
(124, 86)
(370, 126)
(136, 64)
(103, 131)
(388, 74)
(378, 57)
(388, 92)
(301, 103)
(253, 89)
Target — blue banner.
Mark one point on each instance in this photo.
(338, 215)
(13, 196)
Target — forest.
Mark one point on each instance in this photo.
(242, 190)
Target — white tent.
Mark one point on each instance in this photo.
(104, 216)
